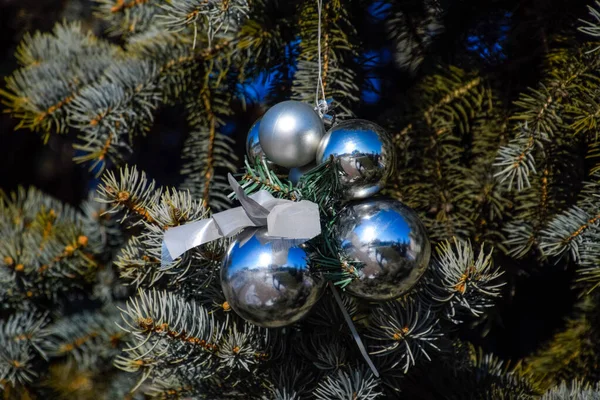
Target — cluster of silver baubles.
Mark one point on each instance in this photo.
(271, 282)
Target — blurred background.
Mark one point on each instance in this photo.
(504, 38)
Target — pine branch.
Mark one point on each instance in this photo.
(206, 150)
(592, 28)
(173, 337)
(21, 340)
(89, 338)
(413, 26)
(543, 117)
(567, 232)
(406, 329)
(462, 282)
(576, 390)
(57, 67)
(127, 17)
(355, 383)
(131, 193)
(216, 15)
(44, 250)
(449, 103)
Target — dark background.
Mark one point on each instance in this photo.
(506, 39)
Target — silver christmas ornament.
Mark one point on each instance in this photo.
(365, 154)
(290, 132)
(255, 152)
(267, 281)
(253, 149)
(390, 242)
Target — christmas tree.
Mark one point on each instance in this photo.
(491, 114)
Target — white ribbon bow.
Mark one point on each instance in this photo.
(284, 219)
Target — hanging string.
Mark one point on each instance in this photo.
(320, 104)
(355, 334)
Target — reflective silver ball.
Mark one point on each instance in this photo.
(266, 287)
(390, 242)
(290, 132)
(253, 149)
(365, 154)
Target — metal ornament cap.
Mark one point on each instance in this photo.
(267, 281)
(390, 242)
(290, 132)
(365, 154)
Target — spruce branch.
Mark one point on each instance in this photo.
(291, 382)
(592, 28)
(21, 340)
(354, 383)
(575, 390)
(544, 116)
(337, 52)
(59, 65)
(407, 329)
(450, 103)
(260, 177)
(413, 26)
(173, 338)
(166, 331)
(573, 229)
(517, 161)
(45, 250)
(462, 281)
(131, 193)
(127, 17)
(207, 151)
(88, 338)
(215, 15)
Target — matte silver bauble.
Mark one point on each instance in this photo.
(365, 154)
(290, 132)
(268, 282)
(390, 242)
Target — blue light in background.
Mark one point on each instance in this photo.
(372, 59)
(256, 88)
(371, 93)
(228, 128)
(491, 51)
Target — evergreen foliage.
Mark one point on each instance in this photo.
(88, 306)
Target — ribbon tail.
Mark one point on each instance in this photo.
(257, 213)
(179, 239)
(355, 335)
(165, 256)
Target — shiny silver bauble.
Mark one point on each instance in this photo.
(290, 132)
(268, 282)
(365, 154)
(254, 152)
(390, 242)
